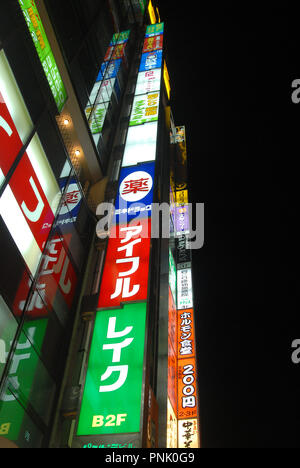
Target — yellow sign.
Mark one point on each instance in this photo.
(182, 197)
(167, 80)
(151, 12)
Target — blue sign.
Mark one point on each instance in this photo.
(151, 60)
(71, 203)
(135, 194)
(109, 70)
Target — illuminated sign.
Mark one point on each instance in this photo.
(155, 29)
(109, 70)
(184, 289)
(167, 80)
(112, 395)
(135, 192)
(141, 144)
(151, 60)
(187, 390)
(28, 204)
(120, 38)
(10, 142)
(153, 43)
(182, 220)
(145, 109)
(44, 51)
(186, 334)
(125, 276)
(151, 12)
(148, 82)
(188, 434)
(26, 375)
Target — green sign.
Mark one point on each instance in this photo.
(111, 402)
(155, 29)
(27, 381)
(44, 51)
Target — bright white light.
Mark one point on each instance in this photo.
(141, 144)
(19, 229)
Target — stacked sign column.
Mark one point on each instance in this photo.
(112, 400)
(188, 431)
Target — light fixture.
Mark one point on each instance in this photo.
(66, 122)
(77, 152)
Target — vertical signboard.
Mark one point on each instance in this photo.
(44, 51)
(112, 396)
(187, 404)
(125, 275)
(106, 84)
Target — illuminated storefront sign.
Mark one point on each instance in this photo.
(155, 29)
(106, 84)
(125, 276)
(151, 12)
(187, 389)
(112, 396)
(188, 434)
(182, 221)
(153, 43)
(148, 82)
(151, 60)
(141, 144)
(44, 51)
(23, 380)
(29, 202)
(184, 289)
(136, 186)
(145, 109)
(186, 334)
(120, 38)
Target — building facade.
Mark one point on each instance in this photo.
(97, 334)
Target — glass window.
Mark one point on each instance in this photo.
(28, 382)
(8, 328)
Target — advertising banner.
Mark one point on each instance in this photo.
(155, 29)
(153, 43)
(111, 402)
(148, 81)
(186, 334)
(44, 51)
(125, 275)
(184, 289)
(145, 109)
(188, 434)
(151, 60)
(135, 194)
(187, 390)
(141, 144)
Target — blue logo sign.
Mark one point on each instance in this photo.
(135, 194)
(151, 60)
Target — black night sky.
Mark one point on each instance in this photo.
(231, 73)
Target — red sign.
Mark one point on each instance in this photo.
(32, 200)
(10, 142)
(125, 276)
(153, 43)
(24, 182)
(57, 280)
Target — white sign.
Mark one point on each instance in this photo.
(141, 144)
(148, 81)
(184, 289)
(136, 186)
